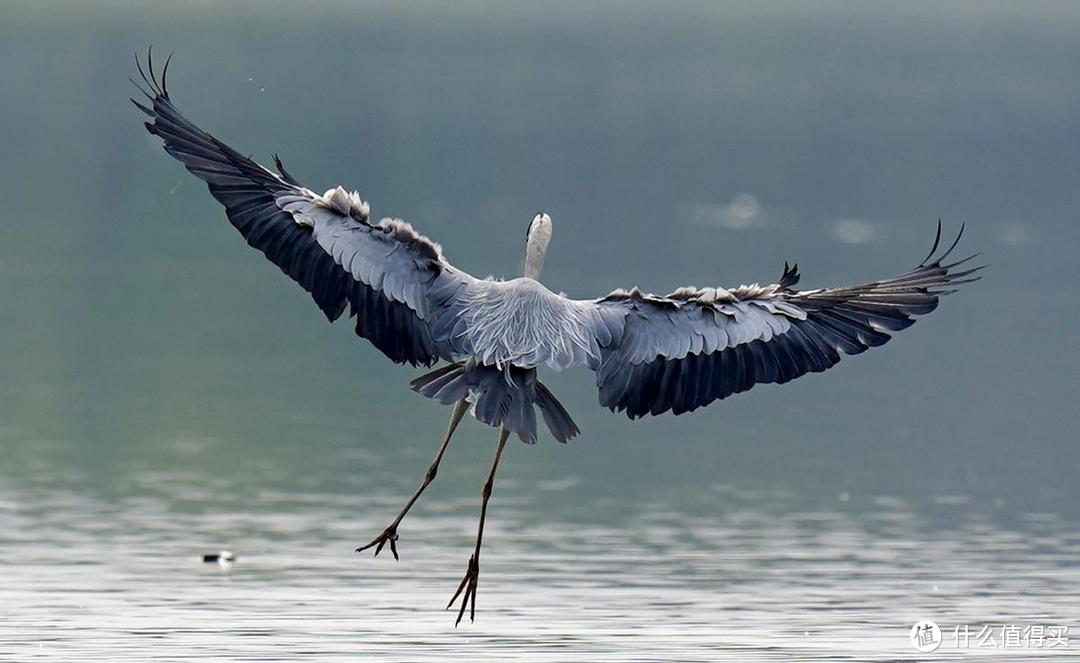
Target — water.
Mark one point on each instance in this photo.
(763, 578)
(166, 394)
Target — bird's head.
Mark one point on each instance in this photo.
(537, 238)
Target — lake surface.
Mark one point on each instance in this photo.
(760, 577)
(165, 393)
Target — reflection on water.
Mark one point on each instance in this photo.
(764, 581)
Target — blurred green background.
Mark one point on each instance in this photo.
(673, 144)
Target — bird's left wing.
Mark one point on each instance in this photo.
(687, 349)
(394, 280)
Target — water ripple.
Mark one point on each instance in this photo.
(85, 577)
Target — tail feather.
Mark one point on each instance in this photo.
(556, 417)
(428, 378)
(499, 397)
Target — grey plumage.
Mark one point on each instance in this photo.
(652, 354)
(694, 346)
(500, 397)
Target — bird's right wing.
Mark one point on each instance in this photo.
(395, 281)
(687, 349)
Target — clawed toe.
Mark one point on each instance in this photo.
(467, 590)
(390, 536)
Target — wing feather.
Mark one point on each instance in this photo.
(385, 273)
(651, 353)
(685, 350)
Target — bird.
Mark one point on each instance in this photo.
(651, 353)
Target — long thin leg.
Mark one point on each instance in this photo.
(472, 573)
(390, 533)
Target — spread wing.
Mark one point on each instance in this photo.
(394, 281)
(685, 350)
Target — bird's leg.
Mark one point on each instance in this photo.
(472, 573)
(389, 535)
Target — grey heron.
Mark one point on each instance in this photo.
(651, 353)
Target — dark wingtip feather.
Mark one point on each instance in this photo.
(142, 74)
(141, 89)
(962, 260)
(933, 249)
(144, 109)
(953, 245)
(150, 67)
(164, 77)
(154, 88)
(930, 260)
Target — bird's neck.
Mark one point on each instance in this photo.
(534, 264)
(535, 249)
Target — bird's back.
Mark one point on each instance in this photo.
(522, 323)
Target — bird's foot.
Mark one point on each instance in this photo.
(467, 591)
(389, 535)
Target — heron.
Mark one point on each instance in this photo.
(651, 353)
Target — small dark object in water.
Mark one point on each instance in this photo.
(223, 557)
